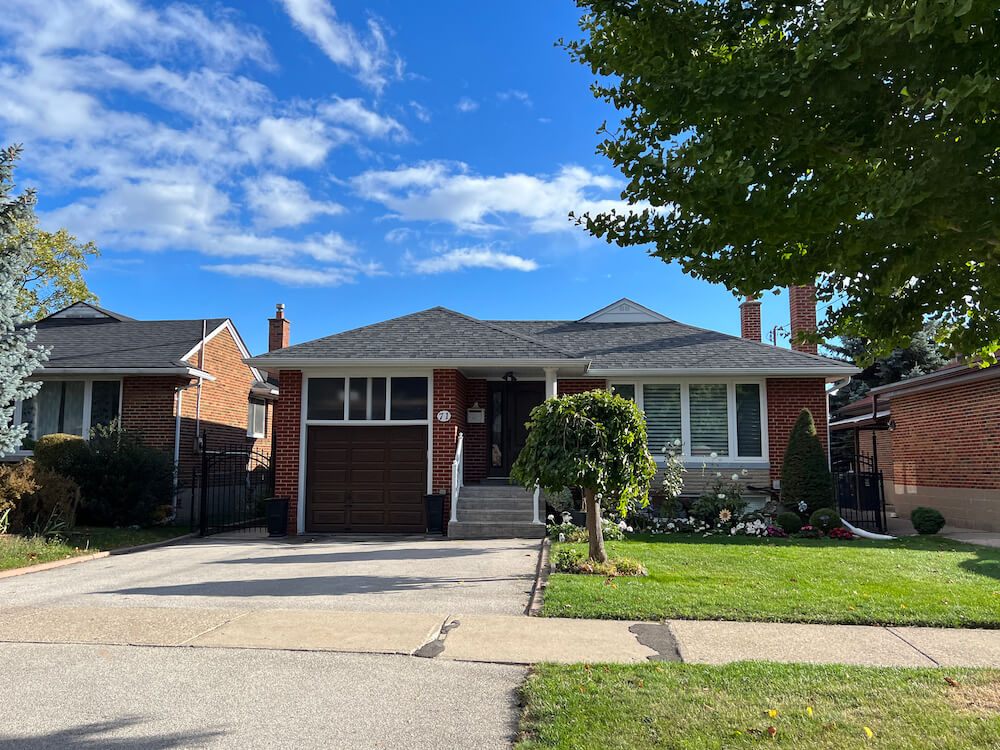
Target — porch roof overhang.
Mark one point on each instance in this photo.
(190, 372)
(881, 419)
(828, 374)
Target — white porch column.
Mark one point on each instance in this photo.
(551, 383)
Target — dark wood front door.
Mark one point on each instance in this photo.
(510, 405)
(366, 479)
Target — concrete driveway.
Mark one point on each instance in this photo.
(383, 574)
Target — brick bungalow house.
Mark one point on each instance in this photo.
(371, 419)
(165, 380)
(936, 438)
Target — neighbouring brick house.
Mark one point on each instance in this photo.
(371, 419)
(175, 383)
(936, 439)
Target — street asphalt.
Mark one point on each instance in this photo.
(85, 697)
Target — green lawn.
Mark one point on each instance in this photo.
(697, 706)
(910, 581)
(18, 551)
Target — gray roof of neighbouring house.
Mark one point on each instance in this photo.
(440, 333)
(113, 341)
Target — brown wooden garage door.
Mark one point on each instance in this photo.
(366, 479)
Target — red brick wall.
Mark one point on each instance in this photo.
(786, 397)
(450, 394)
(948, 437)
(148, 408)
(287, 431)
(580, 385)
(475, 434)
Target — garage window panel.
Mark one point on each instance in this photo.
(408, 399)
(358, 405)
(326, 398)
(378, 398)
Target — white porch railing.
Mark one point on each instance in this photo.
(535, 518)
(457, 472)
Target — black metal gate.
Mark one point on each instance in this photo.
(861, 493)
(230, 489)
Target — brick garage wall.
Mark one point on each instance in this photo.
(449, 393)
(786, 397)
(946, 453)
(287, 432)
(148, 408)
(580, 385)
(475, 434)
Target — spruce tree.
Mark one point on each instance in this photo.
(805, 472)
(18, 359)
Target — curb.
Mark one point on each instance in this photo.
(13, 572)
(541, 580)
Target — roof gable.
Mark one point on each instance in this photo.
(84, 311)
(624, 311)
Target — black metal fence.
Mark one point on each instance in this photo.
(861, 493)
(230, 488)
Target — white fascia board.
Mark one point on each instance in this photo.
(940, 379)
(851, 420)
(786, 372)
(227, 324)
(298, 364)
(193, 372)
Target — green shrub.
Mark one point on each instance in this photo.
(573, 560)
(65, 454)
(38, 501)
(825, 519)
(805, 472)
(790, 522)
(124, 481)
(809, 532)
(926, 520)
(722, 496)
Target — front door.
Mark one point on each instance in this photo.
(510, 404)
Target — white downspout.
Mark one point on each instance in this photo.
(178, 402)
(201, 366)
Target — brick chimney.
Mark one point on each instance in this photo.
(750, 319)
(277, 329)
(802, 306)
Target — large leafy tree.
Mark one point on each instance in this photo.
(849, 142)
(17, 357)
(594, 440)
(54, 279)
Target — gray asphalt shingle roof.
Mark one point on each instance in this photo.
(119, 343)
(440, 333)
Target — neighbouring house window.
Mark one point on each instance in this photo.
(364, 399)
(72, 407)
(408, 399)
(748, 439)
(257, 418)
(709, 406)
(326, 398)
(625, 390)
(358, 399)
(662, 405)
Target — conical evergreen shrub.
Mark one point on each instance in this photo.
(805, 471)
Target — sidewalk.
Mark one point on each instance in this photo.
(902, 527)
(502, 639)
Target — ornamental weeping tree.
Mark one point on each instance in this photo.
(595, 441)
(848, 142)
(17, 358)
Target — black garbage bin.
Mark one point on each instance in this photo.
(277, 516)
(434, 505)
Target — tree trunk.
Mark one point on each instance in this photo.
(594, 531)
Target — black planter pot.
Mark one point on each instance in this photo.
(434, 505)
(578, 517)
(277, 516)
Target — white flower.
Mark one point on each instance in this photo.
(713, 454)
(677, 441)
(802, 506)
(732, 531)
(562, 537)
(622, 525)
(736, 477)
(628, 529)
(744, 472)
(551, 517)
(671, 525)
(718, 474)
(721, 496)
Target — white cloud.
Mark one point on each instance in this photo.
(466, 105)
(289, 275)
(277, 201)
(354, 113)
(471, 257)
(441, 191)
(369, 57)
(515, 95)
(399, 234)
(422, 113)
(299, 142)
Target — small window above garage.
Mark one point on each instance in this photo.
(367, 399)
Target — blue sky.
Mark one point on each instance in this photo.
(353, 161)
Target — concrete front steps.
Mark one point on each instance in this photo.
(495, 511)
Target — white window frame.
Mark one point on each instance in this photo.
(684, 383)
(88, 395)
(345, 420)
(250, 405)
